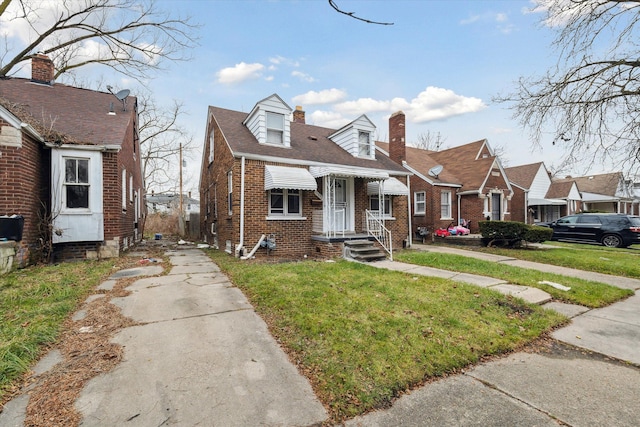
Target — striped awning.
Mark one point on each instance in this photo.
(289, 178)
(347, 171)
(390, 187)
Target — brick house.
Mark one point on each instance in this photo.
(538, 198)
(305, 188)
(70, 166)
(466, 182)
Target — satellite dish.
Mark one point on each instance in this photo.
(435, 171)
(122, 94)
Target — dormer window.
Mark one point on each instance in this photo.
(275, 128)
(364, 144)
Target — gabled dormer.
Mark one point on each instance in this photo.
(357, 138)
(269, 122)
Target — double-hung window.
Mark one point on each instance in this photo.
(76, 183)
(230, 192)
(445, 204)
(374, 205)
(364, 144)
(284, 202)
(275, 128)
(419, 203)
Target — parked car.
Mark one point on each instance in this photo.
(613, 230)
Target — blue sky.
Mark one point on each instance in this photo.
(441, 62)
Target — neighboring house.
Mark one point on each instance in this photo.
(306, 188)
(609, 192)
(169, 203)
(460, 184)
(539, 199)
(70, 166)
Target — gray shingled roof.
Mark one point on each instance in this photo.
(309, 143)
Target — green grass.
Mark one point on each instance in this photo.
(600, 259)
(34, 302)
(583, 292)
(364, 335)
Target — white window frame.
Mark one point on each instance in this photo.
(131, 188)
(364, 149)
(445, 204)
(387, 205)
(230, 192)
(417, 210)
(76, 183)
(286, 213)
(124, 190)
(275, 128)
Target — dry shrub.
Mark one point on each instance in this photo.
(163, 223)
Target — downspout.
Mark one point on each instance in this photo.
(459, 198)
(526, 207)
(410, 239)
(240, 246)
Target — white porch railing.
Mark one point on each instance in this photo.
(375, 227)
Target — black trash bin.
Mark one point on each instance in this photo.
(11, 227)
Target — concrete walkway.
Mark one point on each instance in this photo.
(199, 356)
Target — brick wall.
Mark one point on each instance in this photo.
(517, 207)
(24, 186)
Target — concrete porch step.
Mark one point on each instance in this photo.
(363, 250)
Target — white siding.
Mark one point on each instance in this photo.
(77, 225)
(540, 184)
(347, 137)
(257, 120)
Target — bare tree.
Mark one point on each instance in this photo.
(132, 37)
(429, 141)
(161, 137)
(589, 101)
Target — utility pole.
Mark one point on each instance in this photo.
(181, 213)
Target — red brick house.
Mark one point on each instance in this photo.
(461, 183)
(70, 166)
(275, 186)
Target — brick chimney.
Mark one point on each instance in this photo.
(298, 115)
(41, 69)
(397, 150)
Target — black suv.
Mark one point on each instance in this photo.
(613, 230)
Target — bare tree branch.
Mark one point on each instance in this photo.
(589, 102)
(352, 15)
(130, 36)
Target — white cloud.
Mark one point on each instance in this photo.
(239, 73)
(327, 96)
(281, 60)
(329, 119)
(303, 76)
(436, 103)
(429, 105)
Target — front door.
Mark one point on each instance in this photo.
(495, 207)
(341, 205)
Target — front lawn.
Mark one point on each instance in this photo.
(600, 259)
(583, 292)
(34, 302)
(364, 335)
